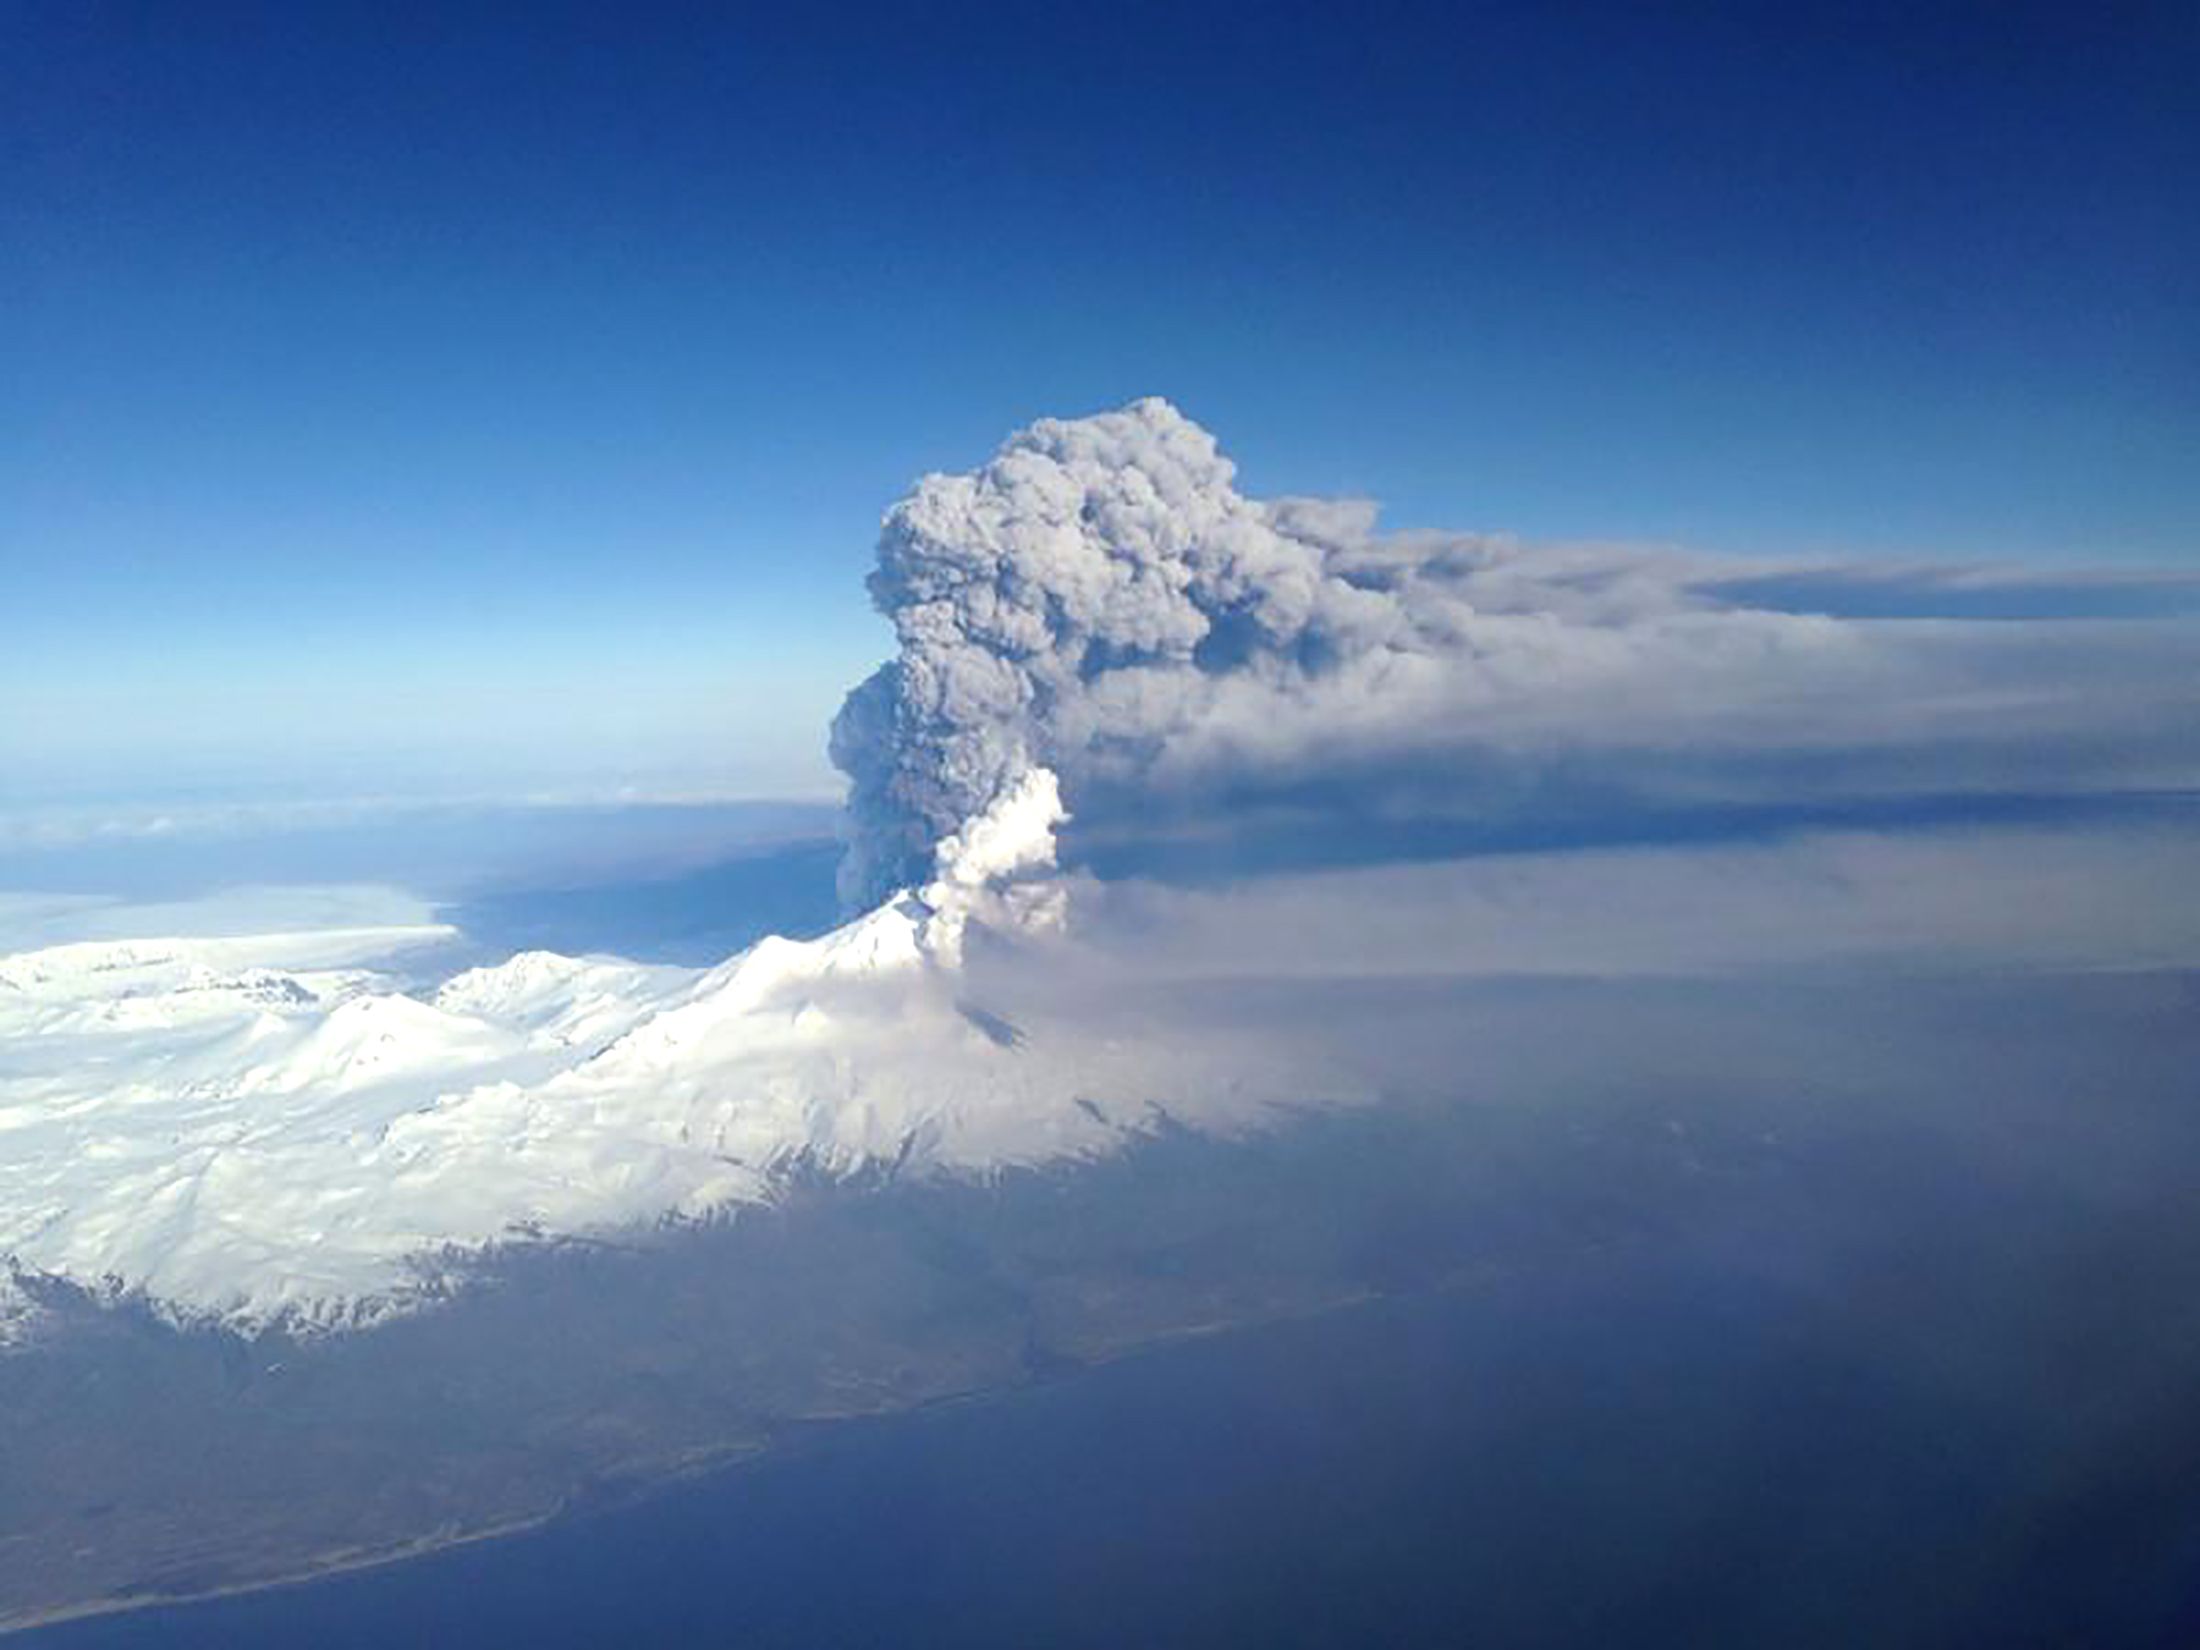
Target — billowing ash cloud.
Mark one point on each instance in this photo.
(1099, 598)
(1069, 596)
(1097, 591)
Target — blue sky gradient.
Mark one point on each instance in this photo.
(466, 400)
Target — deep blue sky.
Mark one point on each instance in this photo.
(444, 398)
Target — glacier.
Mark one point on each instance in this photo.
(275, 1131)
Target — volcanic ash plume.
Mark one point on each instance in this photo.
(1099, 600)
(1076, 603)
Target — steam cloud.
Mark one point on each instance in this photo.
(1099, 599)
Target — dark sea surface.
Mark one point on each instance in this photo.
(1639, 1448)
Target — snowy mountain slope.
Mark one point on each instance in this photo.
(262, 1130)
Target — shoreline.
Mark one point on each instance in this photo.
(643, 1487)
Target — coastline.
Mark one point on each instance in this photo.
(647, 1485)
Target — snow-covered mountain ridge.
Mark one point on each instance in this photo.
(264, 1130)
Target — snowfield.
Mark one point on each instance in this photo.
(264, 1130)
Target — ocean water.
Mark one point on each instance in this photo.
(1639, 1448)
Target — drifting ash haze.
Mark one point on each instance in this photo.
(280, 1130)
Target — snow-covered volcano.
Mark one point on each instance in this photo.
(263, 1129)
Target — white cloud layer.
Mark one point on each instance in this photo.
(31, 922)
